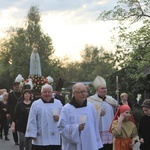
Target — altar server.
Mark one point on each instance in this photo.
(78, 125)
(42, 121)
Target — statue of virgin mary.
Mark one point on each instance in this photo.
(35, 65)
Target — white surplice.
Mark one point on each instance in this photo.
(41, 124)
(72, 138)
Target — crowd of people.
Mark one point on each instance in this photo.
(85, 122)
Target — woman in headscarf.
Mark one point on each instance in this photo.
(124, 129)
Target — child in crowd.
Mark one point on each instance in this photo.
(124, 100)
(144, 126)
(124, 129)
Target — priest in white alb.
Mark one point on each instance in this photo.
(77, 124)
(105, 107)
(43, 120)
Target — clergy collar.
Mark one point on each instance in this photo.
(51, 101)
(77, 105)
(15, 91)
(103, 98)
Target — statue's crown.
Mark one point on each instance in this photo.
(35, 45)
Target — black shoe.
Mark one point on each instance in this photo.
(1, 137)
(16, 143)
(6, 138)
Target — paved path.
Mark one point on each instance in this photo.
(10, 145)
(136, 146)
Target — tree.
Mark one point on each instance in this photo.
(35, 35)
(70, 70)
(15, 51)
(133, 43)
(131, 10)
(94, 62)
(129, 43)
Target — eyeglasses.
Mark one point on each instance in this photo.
(81, 92)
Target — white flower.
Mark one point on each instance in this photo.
(138, 97)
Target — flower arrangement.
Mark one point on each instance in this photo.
(139, 96)
(38, 82)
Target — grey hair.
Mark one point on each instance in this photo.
(76, 85)
(47, 86)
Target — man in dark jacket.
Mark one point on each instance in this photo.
(58, 88)
(59, 96)
(13, 97)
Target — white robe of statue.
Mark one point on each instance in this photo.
(35, 65)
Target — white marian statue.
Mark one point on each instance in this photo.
(35, 65)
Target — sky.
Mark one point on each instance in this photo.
(71, 24)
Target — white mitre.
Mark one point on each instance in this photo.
(50, 79)
(99, 82)
(19, 78)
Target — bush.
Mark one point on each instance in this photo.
(137, 113)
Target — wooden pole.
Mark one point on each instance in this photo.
(117, 88)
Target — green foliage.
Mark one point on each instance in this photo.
(15, 51)
(132, 10)
(132, 44)
(95, 62)
(137, 113)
